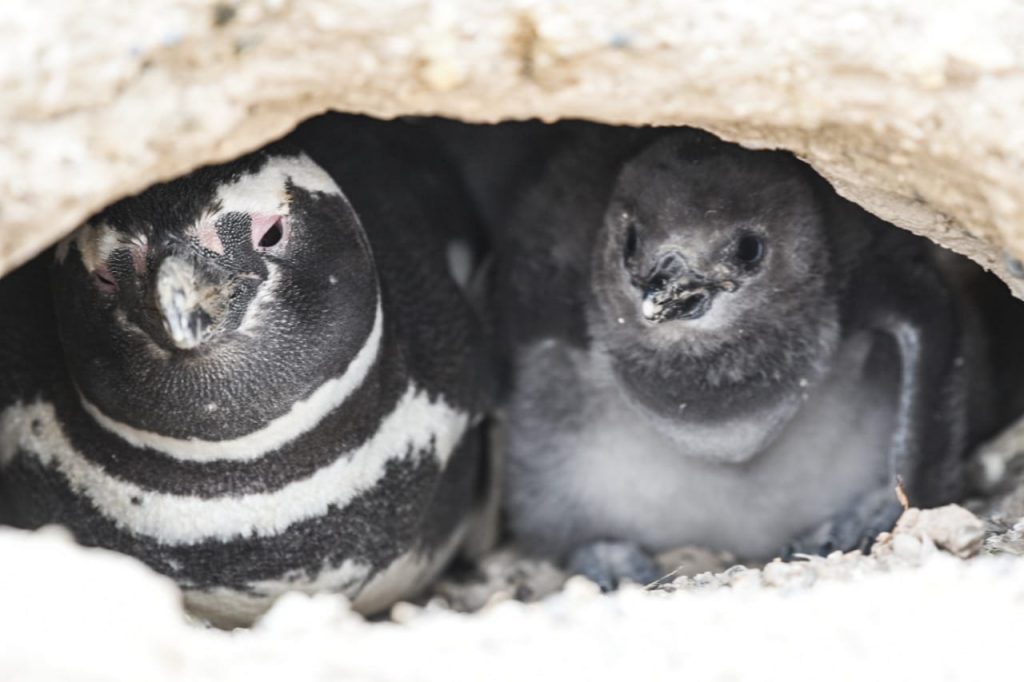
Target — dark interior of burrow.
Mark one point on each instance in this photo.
(497, 165)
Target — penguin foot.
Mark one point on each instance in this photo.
(611, 563)
(855, 528)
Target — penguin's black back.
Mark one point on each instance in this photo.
(30, 355)
(411, 203)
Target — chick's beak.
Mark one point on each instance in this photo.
(686, 303)
(674, 291)
(187, 301)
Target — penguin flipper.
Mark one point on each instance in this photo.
(854, 528)
(909, 303)
(611, 563)
(919, 314)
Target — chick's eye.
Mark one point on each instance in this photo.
(749, 249)
(629, 249)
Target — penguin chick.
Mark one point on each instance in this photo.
(710, 347)
(270, 380)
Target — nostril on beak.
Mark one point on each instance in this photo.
(676, 303)
(673, 291)
(691, 304)
(670, 266)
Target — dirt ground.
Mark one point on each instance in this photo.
(941, 597)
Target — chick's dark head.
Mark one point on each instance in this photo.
(712, 269)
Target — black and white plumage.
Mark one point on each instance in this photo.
(267, 376)
(710, 347)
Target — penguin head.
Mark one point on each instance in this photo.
(700, 234)
(206, 306)
(712, 267)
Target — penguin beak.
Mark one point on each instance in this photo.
(187, 301)
(676, 303)
(673, 291)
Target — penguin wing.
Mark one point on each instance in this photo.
(906, 299)
(30, 353)
(31, 360)
(414, 210)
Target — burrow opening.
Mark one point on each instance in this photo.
(497, 163)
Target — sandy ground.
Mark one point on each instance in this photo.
(913, 609)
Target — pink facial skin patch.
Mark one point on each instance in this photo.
(104, 279)
(207, 235)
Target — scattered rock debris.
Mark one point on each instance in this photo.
(919, 534)
(920, 589)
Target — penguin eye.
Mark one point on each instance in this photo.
(749, 249)
(267, 231)
(105, 281)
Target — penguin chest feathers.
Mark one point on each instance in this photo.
(301, 505)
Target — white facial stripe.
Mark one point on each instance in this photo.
(304, 415)
(96, 243)
(413, 425)
(266, 191)
(264, 294)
